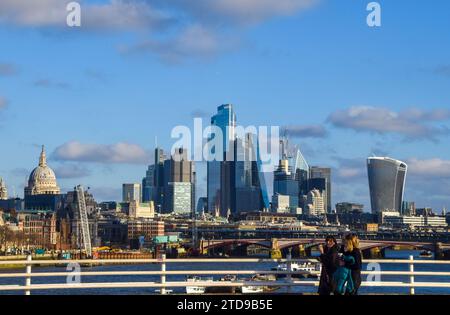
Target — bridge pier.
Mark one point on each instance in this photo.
(308, 252)
(439, 253)
(301, 251)
(373, 253)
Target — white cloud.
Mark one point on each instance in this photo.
(115, 153)
(348, 172)
(242, 11)
(305, 131)
(429, 167)
(195, 40)
(115, 14)
(411, 123)
(173, 29)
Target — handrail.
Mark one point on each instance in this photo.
(288, 282)
(210, 272)
(216, 260)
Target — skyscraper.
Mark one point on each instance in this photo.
(248, 192)
(160, 181)
(180, 183)
(225, 119)
(315, 203)
(285, 184)
(386, 183)
(322, 172)
(131, 192)
(148, 184)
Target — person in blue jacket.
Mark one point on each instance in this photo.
(342, 283)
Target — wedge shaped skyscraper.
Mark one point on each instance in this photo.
(386, 183)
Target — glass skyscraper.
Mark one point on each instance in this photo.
(148, 183)
(225, 119)
(386, 183)
(322, 172)
(284, 184)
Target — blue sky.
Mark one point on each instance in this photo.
(98, 95)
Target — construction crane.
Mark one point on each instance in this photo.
(86, 236)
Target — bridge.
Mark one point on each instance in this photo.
(304, 246)
(229, 233)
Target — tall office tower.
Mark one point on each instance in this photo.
(285, 184)
(386, 183)
(160, 181)
(298, 166)
(180, 183)
(315, 203)
(3, 191)
(131, 192)
(225, 119)
(323, 172)
(248, 191)
(259, 179)
(148, 184)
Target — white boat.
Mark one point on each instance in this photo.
(196, 289)
(167, 291)
(259, 289)
(310, 269)
(252, 290)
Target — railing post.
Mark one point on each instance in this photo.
(28, 278)
(411, 277)
(163, 274)
(289, 270)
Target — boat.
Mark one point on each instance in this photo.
(426, 254)
(224, 289)
(196, 289)
(252, 290)
(311, 270)
(167, 291)
(260, 289)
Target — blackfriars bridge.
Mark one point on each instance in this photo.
(303, 246)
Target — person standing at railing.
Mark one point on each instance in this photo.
(357, 266)
(330, 262)
(357, 255)
(342, 282)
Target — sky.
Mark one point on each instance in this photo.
(100, 96)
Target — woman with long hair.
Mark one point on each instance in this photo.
(342, 282)
(357, 266)
(330, 261)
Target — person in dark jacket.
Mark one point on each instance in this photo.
(330, 263)
(342, 282)
(357, 255)
(357, 266)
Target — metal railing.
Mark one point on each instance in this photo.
(287, 282)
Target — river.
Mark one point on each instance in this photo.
(223, 266)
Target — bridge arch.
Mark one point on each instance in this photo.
(227, 243)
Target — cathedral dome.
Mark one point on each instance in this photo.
(42, 179)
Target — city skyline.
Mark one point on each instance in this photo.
(342, 91)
